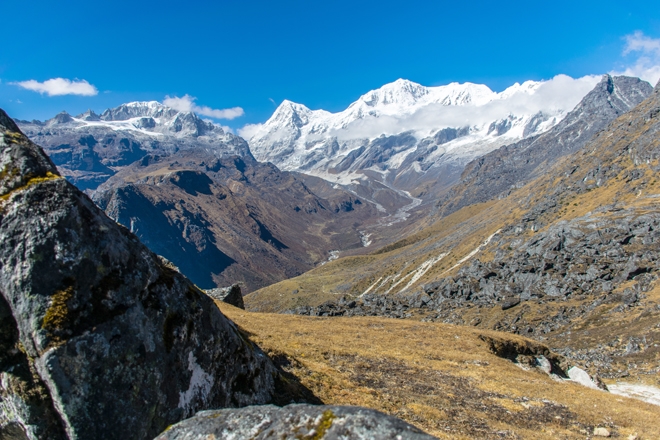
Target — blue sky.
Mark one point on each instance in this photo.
(247, 56)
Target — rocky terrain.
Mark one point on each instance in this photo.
(99, 338)
(562, 259)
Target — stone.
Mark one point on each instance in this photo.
(293, 422)
(544, 364)
(231, 295)
(510, 303)
(99, 338)
(582, 377)
(601, 432)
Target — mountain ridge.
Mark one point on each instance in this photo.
(449, 125)
(90, 148)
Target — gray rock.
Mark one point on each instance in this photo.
(510, 303)
(601, 432)
(231, 295)
(99, 338)
(293, 422)
(582, 377)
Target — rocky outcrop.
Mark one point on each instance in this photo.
(231, 295)
(99, 338)
(293, 422)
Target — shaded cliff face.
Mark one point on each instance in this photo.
(570, 258)
(232, 219)
(99, 338)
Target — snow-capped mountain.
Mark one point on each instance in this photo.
(404, 134)
(89, 148)
(150, 118)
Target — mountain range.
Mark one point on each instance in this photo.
(89, 148)
(410, 137)
(195, 193)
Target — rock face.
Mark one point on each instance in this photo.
(231, 295)
(293, 422)
(100, 339)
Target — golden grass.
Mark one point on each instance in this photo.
(439, 377)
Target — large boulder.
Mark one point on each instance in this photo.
(98, 338)
(293, 422)
(231, 295)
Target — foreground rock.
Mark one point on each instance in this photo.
(98, 338)
(293, 422)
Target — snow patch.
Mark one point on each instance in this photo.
(422, 269)
(647, 393)
(333, 256)
(474, 252)
(364, 238)
(370, 287)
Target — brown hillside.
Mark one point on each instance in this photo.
(441, 378)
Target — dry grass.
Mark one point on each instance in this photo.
(440, 377)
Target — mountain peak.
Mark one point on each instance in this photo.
(89, 115)
(401, 91)
(61, 118)
(289, 112)
(137, 109)
(290, 106)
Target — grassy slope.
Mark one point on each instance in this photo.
(439, 377)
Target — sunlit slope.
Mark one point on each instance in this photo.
(441, 378)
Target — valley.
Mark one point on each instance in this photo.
(569, 259)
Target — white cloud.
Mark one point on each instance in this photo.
(560, 94)
(249, 130)
(187, 104)
(639, 42)
(59, 87)
(645, 54)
